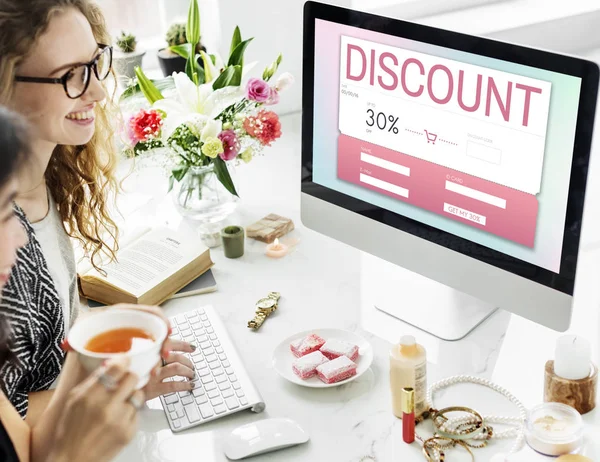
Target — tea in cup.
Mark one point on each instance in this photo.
(113, 332)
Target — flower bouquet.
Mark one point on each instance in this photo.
(206, 120)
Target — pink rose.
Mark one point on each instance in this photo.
(231, 145)
(258, 90)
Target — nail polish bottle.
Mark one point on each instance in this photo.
(408, 415)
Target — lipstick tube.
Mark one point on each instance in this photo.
(408, 415)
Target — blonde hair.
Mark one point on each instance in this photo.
(81, 179)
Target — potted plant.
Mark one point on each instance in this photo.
(173, 58)
(126, 58)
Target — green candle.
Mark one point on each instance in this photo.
(233, 241)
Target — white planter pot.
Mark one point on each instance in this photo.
(125, 63)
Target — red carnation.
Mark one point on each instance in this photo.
(265, 126)
(145, 125)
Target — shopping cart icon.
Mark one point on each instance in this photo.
(431, 137)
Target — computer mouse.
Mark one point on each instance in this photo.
(263, 436)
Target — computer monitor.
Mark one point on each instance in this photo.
(461, 159)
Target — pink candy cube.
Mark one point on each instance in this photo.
(306, 345)
(337, 370)
(335, 348)
(306, 367)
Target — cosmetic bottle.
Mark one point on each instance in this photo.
(408, 369)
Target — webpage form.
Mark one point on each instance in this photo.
(463, 141)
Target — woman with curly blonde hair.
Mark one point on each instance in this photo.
(54, 59)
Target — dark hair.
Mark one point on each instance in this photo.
(14, 145)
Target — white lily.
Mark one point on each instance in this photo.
(195, 103)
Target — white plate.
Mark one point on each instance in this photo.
(283, 357)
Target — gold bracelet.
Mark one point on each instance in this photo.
(475, 428)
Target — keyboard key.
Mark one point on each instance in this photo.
(200, 311)
(219, 350)
(205, 345)
(202, 399)
(226, 363)
(229, 370)
(213, 394)
(203, 372)
(240, 393)
(206, 410)
(236, 385)
(210, 386)
(171, 399)
(207, 379)
(218, 371)
(190, 314)
(232, 403)
(222, 356)
(232, 378)
(206, 324)
(224, 386)
(215, 402)
(210, 330)
(220, 409)
(176, 423)
(244, 401)
(208, 351)
(185, 332)
(214, 365)
(180, 413)
(187, 400)
(198, 359)
(203, 338)
(199, 392)
(173, 415)
(198, 352)
(204, 317)
(216, 343)
(212, 337)
(180, 319)
(221, 379)
(227, 393)
(192, 413)
(170, 407)
(211, 358)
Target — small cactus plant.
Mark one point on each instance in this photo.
(126, 42)
(176, 36)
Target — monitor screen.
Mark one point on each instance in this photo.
(472, 146)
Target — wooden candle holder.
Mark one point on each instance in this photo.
(579, 394)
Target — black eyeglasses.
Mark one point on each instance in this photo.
(77, 79)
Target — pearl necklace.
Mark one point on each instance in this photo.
(517, 423)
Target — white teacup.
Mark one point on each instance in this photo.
(142, 361)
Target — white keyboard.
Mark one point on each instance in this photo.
(222, 386)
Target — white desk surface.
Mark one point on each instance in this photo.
(321, 287)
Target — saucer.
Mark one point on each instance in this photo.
(283, 358)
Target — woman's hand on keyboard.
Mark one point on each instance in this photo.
(175, 365)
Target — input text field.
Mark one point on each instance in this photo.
(475, 194)
(386, 164)
(395, 189)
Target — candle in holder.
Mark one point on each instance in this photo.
(276, 249)
(572, 359)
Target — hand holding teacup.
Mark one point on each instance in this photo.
(140, 333)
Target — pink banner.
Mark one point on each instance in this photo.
(473, 201)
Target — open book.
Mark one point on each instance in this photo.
(149, 269)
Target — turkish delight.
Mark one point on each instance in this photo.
(306, 366)
(335, 348)
(336, 370)
(306, 345)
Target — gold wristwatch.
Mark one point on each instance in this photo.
(264, 307)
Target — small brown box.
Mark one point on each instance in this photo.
(579, 394)
(270, 227)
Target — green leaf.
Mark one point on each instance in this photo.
(192, 30)
(161, 84)
(179, 172)
(171, 183)
(213, 58)
(237, 55)
(150, 91)
(236, 40)
(236, 80)
(206, 60)
(224, 79)
(182, 50)
(223, 175)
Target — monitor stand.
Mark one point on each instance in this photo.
(420, 302)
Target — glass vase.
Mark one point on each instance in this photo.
(201, 196)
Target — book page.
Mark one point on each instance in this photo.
(151, 259)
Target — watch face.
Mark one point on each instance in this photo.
(266, 303)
